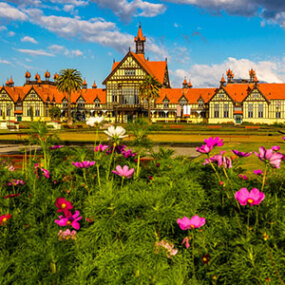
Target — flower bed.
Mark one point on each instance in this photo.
(99, 217)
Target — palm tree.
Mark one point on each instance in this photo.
(149, 90)
(69, 81)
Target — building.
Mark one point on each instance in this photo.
(234, 101)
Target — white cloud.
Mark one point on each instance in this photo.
(76, 3)
(3, 28)
(11, 34)
(11, 13)
(33, 52)
(4, 61)
(57, 49)
(29, 40)
(125, 10)
(203, 75)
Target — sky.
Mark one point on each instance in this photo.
(200, 38)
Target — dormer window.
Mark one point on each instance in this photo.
(166, 103)
(97, 103)
(221, 95)
(200, 104)
(3, 95)
(33, 96)
(64, 103)
(81, 104)
(130, 72)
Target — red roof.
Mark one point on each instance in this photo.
(18, 112)
(272, 91)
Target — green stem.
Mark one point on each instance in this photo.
(138, 165)
(214, 168)
(98, 175)
(85, 180)
(193, 261)
(122, 183)
(110, 162)
(264, 178)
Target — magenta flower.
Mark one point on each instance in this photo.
(258, 172)
(12, 196)
(204, 148)
(63, 206)
(57, 146)
(243, 177)
(220, 159)
(45, 173)
(16, 182)
(83, 164)
(273, 158)
(101, 148)
(4, 219)
(195, 222)
(214, 142)
(124, 171)
(241, 153)
(283, 138)
(71, 220)
(66, 235)
(276, 148)
(186, 241)
(254, 197)
(128, 153)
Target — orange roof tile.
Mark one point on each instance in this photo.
(272, 91)
(18, 112)
(238, 92)
(223, 80)
(172, 94)
(140, 35)
(194, 94)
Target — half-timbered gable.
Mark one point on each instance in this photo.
(6, 104)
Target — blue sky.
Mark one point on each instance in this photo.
(200, 38)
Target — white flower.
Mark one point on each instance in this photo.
(94, 121)
(116, 133)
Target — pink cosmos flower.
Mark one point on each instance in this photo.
(274, 158)
(221, 160)
(214, 142)
(195, 222)
(254, 197)
(204, 148)
(66, 235)
(101, 148)
(186, 241)
(124, 171)
(45, 173)
(128, 153)
(283, 138)
(16, 182)
(243, 177)
(276, 148)
(84, 164)
(71, 220)
(258, 172)
(168, 246)
(63, 206)
(56, 147)
(4, 219)
(12, 196)
(241, 153)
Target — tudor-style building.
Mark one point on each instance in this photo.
(122, 84)
(233, 101)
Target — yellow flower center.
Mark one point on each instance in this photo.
(250, 201)
(69, 222)
(63, 206)
(205, 259)
(4, 220)
(192, 226)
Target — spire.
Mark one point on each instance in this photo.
(190, 84)
(84, 84)
(230, 76)
(252, 75)
(184, 84)
(37, 77)
(223, 81)
(28, 75)
(140, 40)
(94, 86)
(47, 75)
(55, 77)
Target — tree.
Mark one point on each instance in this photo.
(149, 90)
(69, 81)
(54, 112)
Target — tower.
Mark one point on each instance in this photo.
(140, 40)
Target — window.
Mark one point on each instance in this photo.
(200, 104)
(250, 110)
(255, 95)
(260, 110)
(3, 95)
(1, 112)
(64, 103)
(226, 110)
(216, 111)
(8, 112)
(278, 115)
(114, 96)
(81, 104)
(97, 103)
(221, 95)
(37, 112)
(130, 72)
(33, 96)
(166, 104)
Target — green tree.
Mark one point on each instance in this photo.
(54, 112)
(69, 80)
(149, 90)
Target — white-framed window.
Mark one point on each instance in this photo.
(216, 111)
(278, 115)
(226, 110)
(166, 104)
(250, 110)
(221, 95)
(200, 104)
(114, 96)
(37, 112)
(260, 110)
(130, 72)
(97, 103)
